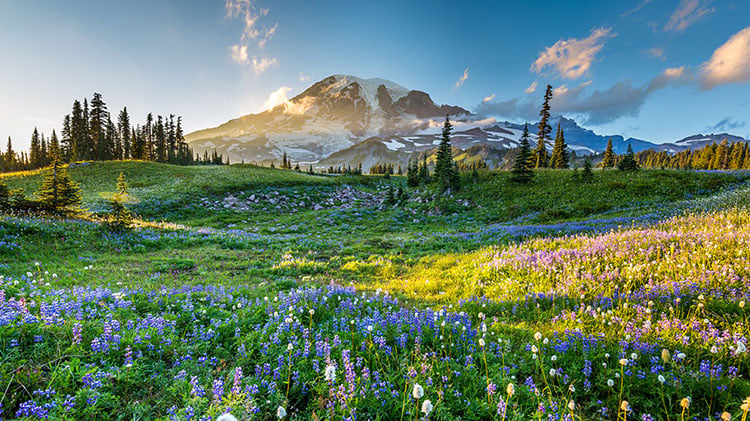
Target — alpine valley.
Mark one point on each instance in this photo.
(346, 120)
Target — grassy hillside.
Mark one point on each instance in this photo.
(568, 291)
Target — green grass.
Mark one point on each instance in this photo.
(433, 254)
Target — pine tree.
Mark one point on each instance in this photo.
(58, 193)
(43, 159)
(124, 132)
(10, 157)
(540, 152)
(66, 140)
(35, 150)
(628, 162)
(609, 156)
(559, 158)
(54, 147)
(390, 198)
(119, 218)
(522, 168)
(445, 173)
(587, 175)
(98, 116)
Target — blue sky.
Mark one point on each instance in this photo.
(657, 70)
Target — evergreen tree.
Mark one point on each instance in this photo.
(628, 162)
(119, 217)
(445, 172)
(540, 152)
(98, 116)
(390, 198)
(66, 147)
(160, 138)
(43, 153)
(59, 193)
(587, 175)
(54, 147)
(124, 132)
(522, 168)
(559, 158)
(35, 150)
(609, 156)
(10, 157)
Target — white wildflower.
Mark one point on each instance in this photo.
(418, 391)
(426, 407)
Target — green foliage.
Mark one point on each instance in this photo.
(58, 193)
(560, 158)
(445, 173)
(587, 175)
(119, 217)
(609, 156)
(541, 159)
(522, 168)
(628, 162)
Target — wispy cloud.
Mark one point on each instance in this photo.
(687, 13)
(489, 98)
(572, 58)
(250, 14)
(622, 99)
(260, 66)
(303, 77)
(656, 52)
(462, 79)
(277, 97)
(725, 125)
(640, 6)
(730, 63)
(239, 53)
(531, 88)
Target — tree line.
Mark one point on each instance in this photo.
(89, 134)
(721, 156)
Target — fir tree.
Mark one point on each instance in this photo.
(628, 162)
(540, 152)
(609, 156)
(587, 175)
(444, 171)
(124, 133)
(98, 116)
(522, 168)
(35, 151)
(390, 198)
(54, 147)
(58, 193)
(119, 218)
(559, 158)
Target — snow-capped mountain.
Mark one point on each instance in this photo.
(332, 114)
(346, 120)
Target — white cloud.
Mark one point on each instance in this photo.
(303, 77)
(572, 58)
(636, 8)
(489, 98)
(730, 63)
(462, 79)
(249, 14)
(299, 107)
(277, 97)
(596, 107)
(656, 52)
(531, 88)
(239, 53)
(687, 13)
(260, 66)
